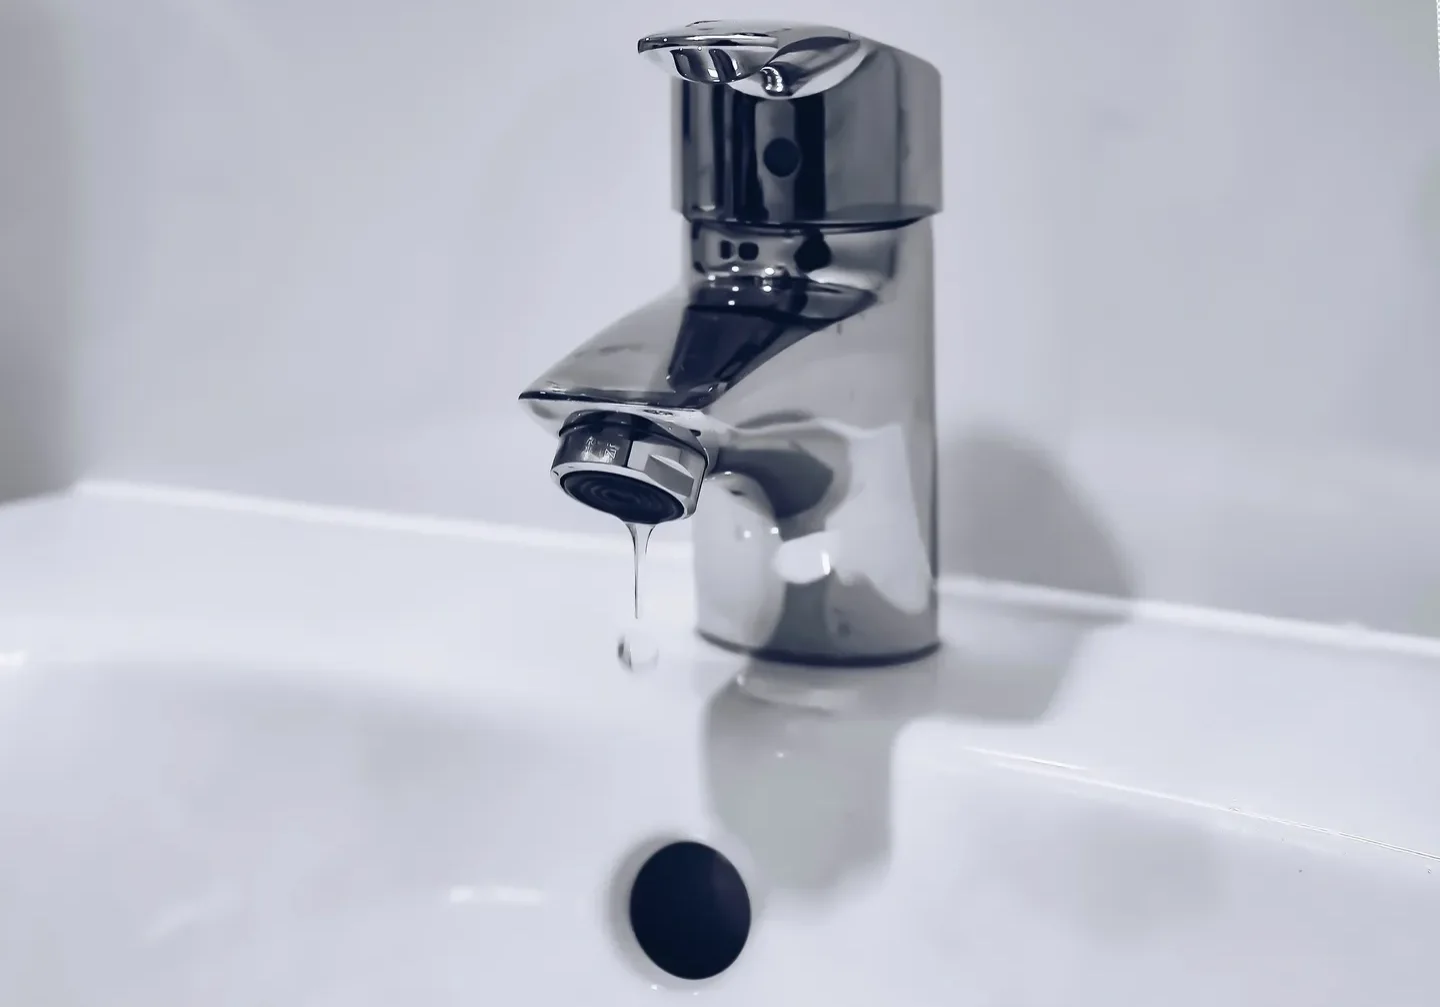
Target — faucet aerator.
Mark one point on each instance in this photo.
(629, 469)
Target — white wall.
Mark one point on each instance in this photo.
(1189, 266)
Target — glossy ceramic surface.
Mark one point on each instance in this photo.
(258, 753)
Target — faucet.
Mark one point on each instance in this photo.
(790, 374)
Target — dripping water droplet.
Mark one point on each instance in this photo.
(637, 649)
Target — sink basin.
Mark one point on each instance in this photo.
(266, 754)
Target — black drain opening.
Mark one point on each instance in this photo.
(690, 911)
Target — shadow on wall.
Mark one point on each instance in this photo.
(36, 437)
(1013, 515)
(798, 762)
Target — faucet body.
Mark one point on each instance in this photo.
(791, 371)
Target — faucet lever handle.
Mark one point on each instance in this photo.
(761, 59)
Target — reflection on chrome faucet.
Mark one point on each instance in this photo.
(791, 371)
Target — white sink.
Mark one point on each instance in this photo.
(256, 754)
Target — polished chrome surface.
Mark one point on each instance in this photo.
(810, 124)
(796, 358)
(764, 60)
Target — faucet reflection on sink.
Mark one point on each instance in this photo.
(791, 371)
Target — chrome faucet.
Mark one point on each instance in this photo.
(791, 372)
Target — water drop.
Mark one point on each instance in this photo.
(637, 649)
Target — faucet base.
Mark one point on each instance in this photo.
(826, 661)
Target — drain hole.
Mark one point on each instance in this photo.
(690, 911)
